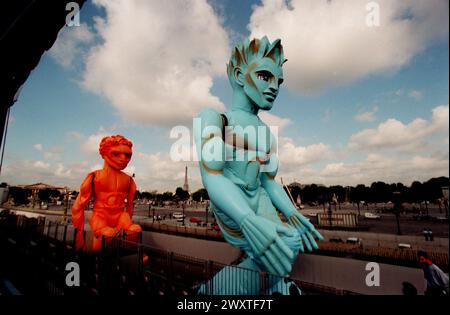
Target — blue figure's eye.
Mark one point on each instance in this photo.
(264, 75)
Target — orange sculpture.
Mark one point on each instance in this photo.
(112, 191)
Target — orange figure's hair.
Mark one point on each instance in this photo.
(111, 141)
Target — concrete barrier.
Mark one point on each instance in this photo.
(340, 273)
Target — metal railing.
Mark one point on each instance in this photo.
(35, 253)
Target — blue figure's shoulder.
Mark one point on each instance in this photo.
(211, 117)
(209, 140)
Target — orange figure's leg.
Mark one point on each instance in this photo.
(131, 230)
(100, 228)
(107, 231)
(126, 224)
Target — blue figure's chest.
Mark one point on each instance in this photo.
(247, 132)
(248, 144)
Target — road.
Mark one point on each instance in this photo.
(386, 225)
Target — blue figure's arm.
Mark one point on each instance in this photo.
(261, 234)
(282, 202)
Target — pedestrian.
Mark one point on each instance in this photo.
(409, 289)
(430, 235)
(425, 234)
(437, 280)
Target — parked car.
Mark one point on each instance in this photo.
(371, 216)
(354, 240)
(421, 217)
(312, 215)
(178, 215)
(195, 220)
(404, 245)
(440, 219)
(215, 227)
(336, 240)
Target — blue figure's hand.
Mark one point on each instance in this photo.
(262, 235)
(282, 202)
(306, 230)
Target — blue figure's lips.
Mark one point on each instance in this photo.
(270, 96)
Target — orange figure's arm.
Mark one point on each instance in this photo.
(130, 197)
(80, 204)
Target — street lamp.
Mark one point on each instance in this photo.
(184, 206)
(206, 213)
(445, 195)
(66, 203)
(397, 208)
(150, 208)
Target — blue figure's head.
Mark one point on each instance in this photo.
(255, 68)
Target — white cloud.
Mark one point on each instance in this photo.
(40, 164)
(366, 116)
(20, 171)
(293, 156)
(157, 59)
(53, 153)
(394, 134)
(274, 120)
(377, 167)
(90, 144)
(327, 115)
(38, 147)
(328, 43)
(416, 95)
(158, 172)
(71, 45)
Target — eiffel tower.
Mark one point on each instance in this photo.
(186, 184)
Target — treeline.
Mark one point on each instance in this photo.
(430, 191)
(179, 195)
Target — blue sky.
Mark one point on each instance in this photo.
(359, 104)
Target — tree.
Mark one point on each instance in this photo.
(166, 196)
(44, 195)
(137, 195)
(310, 193)
(433, 188)
(181, 194)
(148, 195)
(379, 192)
(360, 193)
(19, 195)
(415, 193)
(295, 191)
(201, 194)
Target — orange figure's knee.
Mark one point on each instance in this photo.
(106, 231)
(135, 228)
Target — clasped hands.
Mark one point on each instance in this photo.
(266, 239)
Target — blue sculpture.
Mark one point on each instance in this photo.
(238, 165)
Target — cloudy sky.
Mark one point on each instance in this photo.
(365, 96)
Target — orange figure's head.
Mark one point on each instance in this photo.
(116, 151)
